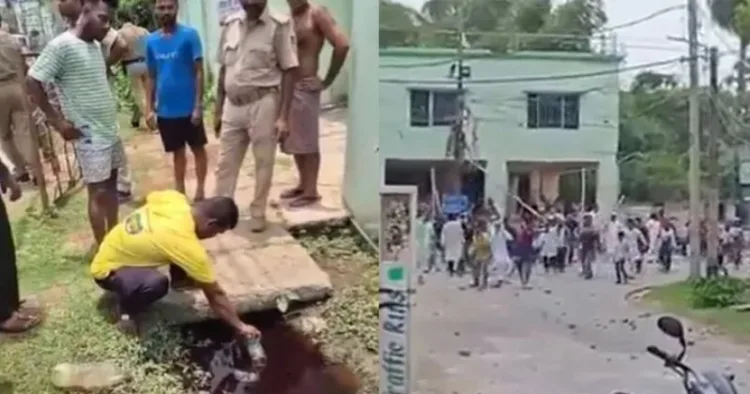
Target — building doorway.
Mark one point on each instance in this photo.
(420, 173)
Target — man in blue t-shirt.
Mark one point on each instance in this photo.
(174, 97)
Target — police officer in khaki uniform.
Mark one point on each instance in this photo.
(258, 57)
(15, 136)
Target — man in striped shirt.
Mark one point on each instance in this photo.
(73, 61)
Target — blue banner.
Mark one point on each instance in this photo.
(455, 204)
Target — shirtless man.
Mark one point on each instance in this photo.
(313, 25)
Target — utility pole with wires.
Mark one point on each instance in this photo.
(694, 124)
(457, 147)
(712, 191)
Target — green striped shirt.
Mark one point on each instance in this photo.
(77, 68)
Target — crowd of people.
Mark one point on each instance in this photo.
(494, 248)
(268, 93)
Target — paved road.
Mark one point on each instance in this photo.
(565, 336)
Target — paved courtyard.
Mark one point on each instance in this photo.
(565, 335)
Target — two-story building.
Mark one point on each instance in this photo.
(535, 118)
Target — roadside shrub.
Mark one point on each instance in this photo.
(717, 292)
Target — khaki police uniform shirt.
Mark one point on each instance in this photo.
(133, 35)
(11, 58)
(108, 41)
(255, 53)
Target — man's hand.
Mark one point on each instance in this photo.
(67, 130)
(311, 84)
(247, 331)
(151, 120)
(217, 120)
(197, 116)
(7, 183)
(282, 129)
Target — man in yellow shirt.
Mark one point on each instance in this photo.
(481, 254)
(166, 231)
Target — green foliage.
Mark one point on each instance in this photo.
(717, 292)
(353, 312)
(498, 25)
(54, 267)
(138, 12)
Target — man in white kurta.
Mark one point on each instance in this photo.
(653, 226)
(501, 263)
(452, 239)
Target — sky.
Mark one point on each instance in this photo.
(647, 42)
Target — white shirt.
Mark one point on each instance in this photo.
(610, 238)
(620, 250)
(550, 241)
(667, 235)
(632, 237)
(452, 239)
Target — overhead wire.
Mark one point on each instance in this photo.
(502, 188)
(542, 78)
(646, 18)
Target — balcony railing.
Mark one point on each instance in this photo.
(498, 42)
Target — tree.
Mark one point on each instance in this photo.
(734, 17)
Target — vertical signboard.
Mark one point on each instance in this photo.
(398, 205)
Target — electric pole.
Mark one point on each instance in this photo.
(712, 214)
(457, 140)
(694, 120)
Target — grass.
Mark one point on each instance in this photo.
(53, 267)
(352, 314)
(676, 298)
(74, 330)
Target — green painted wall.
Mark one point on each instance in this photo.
(500, 110)
(204, 15)
(362, 175)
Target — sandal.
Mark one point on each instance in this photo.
(303, 201)
(19, 323)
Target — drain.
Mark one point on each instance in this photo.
(295, 363)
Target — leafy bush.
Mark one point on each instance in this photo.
(717, 292)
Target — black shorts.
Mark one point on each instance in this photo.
(178, 132)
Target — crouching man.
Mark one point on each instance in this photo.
(167, 230)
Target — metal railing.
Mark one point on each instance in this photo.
(498, 42)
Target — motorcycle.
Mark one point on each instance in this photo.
(706, 382)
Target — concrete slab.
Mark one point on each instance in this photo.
(255, 270)
(330, 180)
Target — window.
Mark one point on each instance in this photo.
(559, 111)
(433, 107)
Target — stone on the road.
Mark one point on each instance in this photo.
(86, 377)
(258, 272)
(527, 346)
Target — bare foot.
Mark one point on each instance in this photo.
(199, 196)
(291, 193)
(303, 201)
(19, 323)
